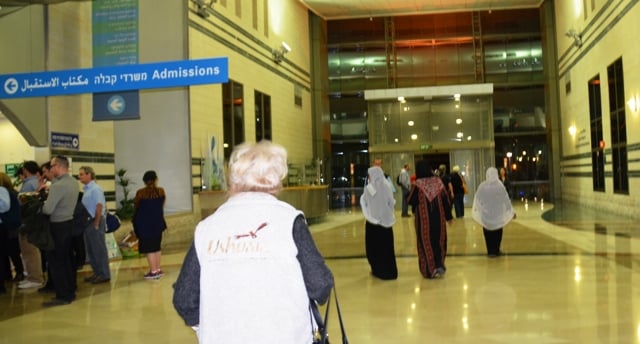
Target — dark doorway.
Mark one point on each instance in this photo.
(434, 160)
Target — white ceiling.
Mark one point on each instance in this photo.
(343, 9)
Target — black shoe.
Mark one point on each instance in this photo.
(46, 290)
(100, 279)
(90, 278)
(19, 277)
(55, 302)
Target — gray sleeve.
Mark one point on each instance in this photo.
(52, 200)
(186, 290)
(317, 276)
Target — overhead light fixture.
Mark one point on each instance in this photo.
(278, 53)
(577, 37)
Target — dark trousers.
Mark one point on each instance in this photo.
(4, 256)
(458, 204)
(78, 248)
(405, 205)
(13, 249)
(60, 259)
(45, 268)
(493, 239)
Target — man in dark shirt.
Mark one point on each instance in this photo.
(446, 179)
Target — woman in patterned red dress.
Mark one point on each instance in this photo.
(432, 210)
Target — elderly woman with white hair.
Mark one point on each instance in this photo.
(253, 265)
(493, 210)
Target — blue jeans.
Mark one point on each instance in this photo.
(97, 249)
(405, 205)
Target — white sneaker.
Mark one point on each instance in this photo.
(29, 284)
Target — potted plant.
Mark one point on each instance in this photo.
(126, 209)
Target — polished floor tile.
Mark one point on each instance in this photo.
(570, 281)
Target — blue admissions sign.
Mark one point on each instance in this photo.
(116, 78)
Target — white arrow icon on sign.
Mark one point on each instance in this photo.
(10, 86)
(116, 105)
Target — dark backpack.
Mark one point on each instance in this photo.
(398, 181)
(11, 219)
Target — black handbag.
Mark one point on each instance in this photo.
(320, 334)
(112, 223)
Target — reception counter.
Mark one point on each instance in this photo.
(312, 200)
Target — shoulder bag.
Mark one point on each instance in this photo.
(320, 335)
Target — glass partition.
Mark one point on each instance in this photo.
(444, 122)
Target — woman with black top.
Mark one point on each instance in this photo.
(149, 223)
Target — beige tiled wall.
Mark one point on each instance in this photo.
(251, 64)
(607, 35)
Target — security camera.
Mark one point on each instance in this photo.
(285, 48)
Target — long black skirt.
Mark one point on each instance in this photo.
(380, 251)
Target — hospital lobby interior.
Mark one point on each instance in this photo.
(534, 86)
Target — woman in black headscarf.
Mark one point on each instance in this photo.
(432, 208)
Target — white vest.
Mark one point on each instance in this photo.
(251, 285)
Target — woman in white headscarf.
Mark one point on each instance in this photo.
(493, 210)
(377, 206)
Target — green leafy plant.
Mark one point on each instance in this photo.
(126, 209)
(17, 181)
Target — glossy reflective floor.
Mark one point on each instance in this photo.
(569, 282)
